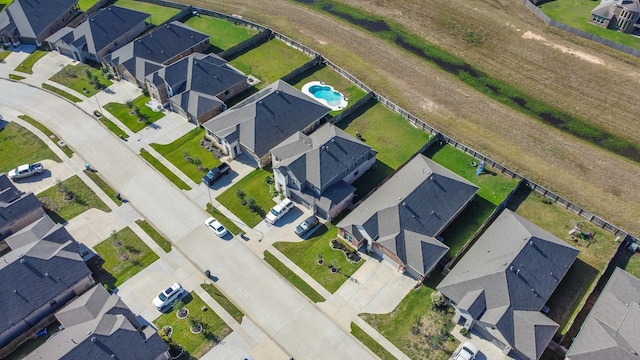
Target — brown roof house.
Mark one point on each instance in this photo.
(611, 330)
(621, 15)
(317, 170)
(500, 285)
(32, 21)
(401, 221)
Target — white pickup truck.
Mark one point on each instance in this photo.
(25, 170)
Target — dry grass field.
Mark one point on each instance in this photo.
(579, 77)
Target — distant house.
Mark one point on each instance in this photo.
(317, 170)
(500, 285)
(611, 329)
(32, 21)
(147, 54)
(197, 86)
(42, 272)
(102, 33)
(99, 326)
(401, 221)
(17, 209)
(263, 120)
(621, 15)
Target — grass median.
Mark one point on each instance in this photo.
(370, 342)
(164, 170)
(61, 92)
(155, 235)
(221, 299)
(294, 279)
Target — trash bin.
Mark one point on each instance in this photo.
(207, 273)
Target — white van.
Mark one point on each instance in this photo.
(279, 210)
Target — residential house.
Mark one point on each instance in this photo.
(317, 170)
(106, 31)
(263, 120)
(164, 45)
(100, 326)
(196, 86)
(17, 209)
(32, 21)
(502, 283)
(611, 330)
(621, 15)
(42, 272)
(402, 220)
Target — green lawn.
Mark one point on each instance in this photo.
(224, 220)
(111, 126)
(124, 255)
(62, 210)
(433, 340)
(48, 133)
(188, 145)
(75, 77)
(24, 147)
(633, 266)
(305, 255)
(577, 13)
(15, 77)
(293, 278)
(3, 52)
(214, 330)
(155, 235)
(468, 222)
(223, 34)
(61, 92)
(270, 61)
(86, 4)
(219, 297)
(164, 170)
(98, 180)
(253, 186)
(27, 65)
(129, 118)
(369, 342)
(159, 14)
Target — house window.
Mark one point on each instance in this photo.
(348, 236)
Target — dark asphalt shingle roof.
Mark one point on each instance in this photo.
(15, 204)
(32, 17)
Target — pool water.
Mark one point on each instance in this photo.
(327, 93)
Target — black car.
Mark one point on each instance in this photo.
(216, 173)
(306, 225)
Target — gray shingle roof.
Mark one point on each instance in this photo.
(15, 204)
(266, 118)
(42, 229)
(32, 17)
(518, 265)
(611, 330)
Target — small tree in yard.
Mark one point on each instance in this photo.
(251, 204)
(437, 300)
(239, 193)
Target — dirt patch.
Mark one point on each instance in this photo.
(582, 55)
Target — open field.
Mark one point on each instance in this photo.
(223, 34)
(159, 14)
(558, 70)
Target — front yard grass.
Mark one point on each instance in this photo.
(129, 118)
(98, 180)
(61, 92)
(61, 210)
(371, 343)
(75, 77)
(159, 14)
(164, 170)
(253, 186)
(269, 62)
(48, 133)
(24, 147)
(188, 145)
(111, 126)
(305, 254)
(4, 52)
(124, 255)
(155, 235)
(223, 219)
(223, 34)
(414, 312)
(293, 278)
(27, 65)
(219, 297)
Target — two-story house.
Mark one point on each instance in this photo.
(32, 21)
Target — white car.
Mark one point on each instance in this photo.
(168, 296)
(279, 210)
(216, 227)
(467, 351)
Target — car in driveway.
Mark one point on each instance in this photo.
(25, 170)
(216, 226)
(467, 351)
(168, 296)
(216, 173)
(278, 211)
(306, 225)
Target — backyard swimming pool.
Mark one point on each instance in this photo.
(325, 94)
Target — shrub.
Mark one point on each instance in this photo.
(437, 299)
(464, 331)
(240, 194)
(268, 180)
(251, 204)
(546, 200)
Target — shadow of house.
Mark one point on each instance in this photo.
(317, 170)
(197, 86)
(500, 285)
(401, 221)
(17, 209)
(102, 33)
(621, 15)
(32, 21)
(147, 54)
(98, 326)
(257, 124)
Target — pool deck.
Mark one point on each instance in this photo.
(343, 101)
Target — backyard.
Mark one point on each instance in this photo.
(135, 114)
(82, 78)
(223, 34)
(86, 4)
(70, 198)
(24, 147)
(214, 330)
(306, 254)
(48, 133)
(188, 147)
(27, 65)
(124, 255)
(159, 14)
(269, 62)
(254, 187)
(164, 170)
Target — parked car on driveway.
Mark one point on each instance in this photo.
(306, 225)
(467, 351)
(278, 211)
(168, 296)
(216, 226)
(25, 170)
(216, 173)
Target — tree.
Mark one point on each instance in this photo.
(239, 193)
(437, 299)
(129, 104)
(251, 204)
